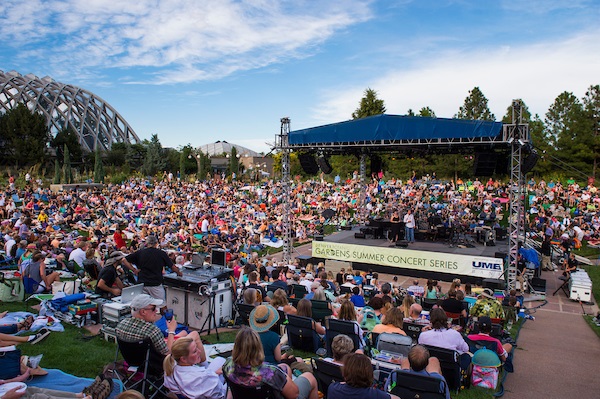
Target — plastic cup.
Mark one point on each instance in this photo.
(169, 314)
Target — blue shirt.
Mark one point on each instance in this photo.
(358, 301)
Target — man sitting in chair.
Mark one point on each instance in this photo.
(420, 362)
(141, 326)
(487, 305)
(570, 266)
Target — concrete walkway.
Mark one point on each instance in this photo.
(558, 354)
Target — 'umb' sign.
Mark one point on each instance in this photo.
(478, 266)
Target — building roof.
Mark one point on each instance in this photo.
(219, 147)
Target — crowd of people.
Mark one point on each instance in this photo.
(139, 230)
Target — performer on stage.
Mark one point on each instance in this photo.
(409, 228)
(395, 220)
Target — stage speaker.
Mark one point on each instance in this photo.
(402, 243)
(502, 164)
(494, 284)
(538, 284)
(318, 237)
(376, 164)
(324, 165)
(485, 164)
(501, 255)
(529, 162)
(308, 163)
(359, 235)
(304, 260)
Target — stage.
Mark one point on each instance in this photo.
(429, 268)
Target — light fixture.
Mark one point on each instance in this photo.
(510, 140)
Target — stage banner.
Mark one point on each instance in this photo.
(469, 265)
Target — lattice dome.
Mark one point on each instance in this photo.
(219, 147)
(97, 124)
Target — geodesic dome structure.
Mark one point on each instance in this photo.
(97, 124)
(219, 147)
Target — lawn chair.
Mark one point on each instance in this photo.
(326, 373)
(301, 334)
(336, 327)
(408, 385)
(450, 363)
(262, 391)
(144, 370)
(320, 310)
(244, 311)
(395, 343)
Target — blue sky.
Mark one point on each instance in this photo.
(198, 71)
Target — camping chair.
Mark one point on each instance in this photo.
(320, 310)
(326, 374)
(299, 291)
(407, 385)
(457, 318)
(450, 363)
(144, 370)
(263, 391)
(336, 327)
(475, 345)
(427, 303)
(395, 343)
(294, 301)
(345, 290)
(301, 334)
(413, 330)
(244, 312)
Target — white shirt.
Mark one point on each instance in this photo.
(409, 219)
(195, 382)
(78, 255)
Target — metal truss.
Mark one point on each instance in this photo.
(517, 135)
(282, 142)
(98, 125)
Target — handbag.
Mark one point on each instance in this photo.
(10, 364)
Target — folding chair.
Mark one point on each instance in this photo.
(413, 330)
(263, 391)
(336, 327)
(395, 343)
(457, 318)
(409, 385)
(449, 361)
(320, 310)
(345, 290)
(301, 334)
(244, 312)
(299, 291)
(144, 370)
(427, 303)
(326, 374)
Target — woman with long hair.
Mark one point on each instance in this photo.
(406, 304)
(348, 312)
(440, 335)
(184, 377)
(247, 368)
(305, 310)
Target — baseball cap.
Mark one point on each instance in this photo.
(485, 323)
(143, 300)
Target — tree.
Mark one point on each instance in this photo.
(234, 161)
(67, 136)
(154, 161)
(427, 112)
(410, 112)
(369, 105)
(591, 103)
(23, 137)
(98, 168)
(68, 174)
(182, 159)
(56, 172)
(475, 107)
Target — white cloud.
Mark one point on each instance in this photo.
(536, 73)
(176, 40)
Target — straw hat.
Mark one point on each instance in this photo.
(263, 317)
(488, 293)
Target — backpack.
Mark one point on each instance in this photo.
(485, 373)
(370, 318)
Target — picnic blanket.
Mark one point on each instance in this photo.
(61, 381)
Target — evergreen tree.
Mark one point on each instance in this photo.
(56, 172)
(69, 137)
(23, 137)
(154, 161)
(427, 112)
(182, 159)
(369, 105)
(68, 173)
(410, 112)
(591, 103)
(475, 107)
(234, 161)
(98, 168)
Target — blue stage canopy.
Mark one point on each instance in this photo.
(395, 128)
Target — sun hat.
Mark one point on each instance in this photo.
(114, 257)
(263, 317)
(488, 293)
(143, 300)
